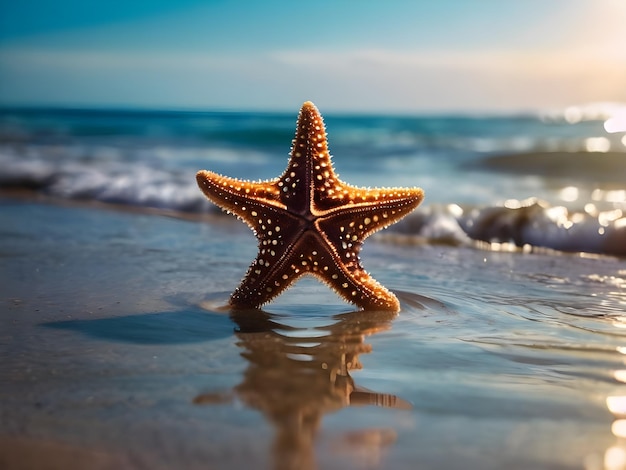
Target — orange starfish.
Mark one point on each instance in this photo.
(308, 221)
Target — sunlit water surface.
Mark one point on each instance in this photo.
(114, 341)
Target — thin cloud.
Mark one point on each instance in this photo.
(359, 79)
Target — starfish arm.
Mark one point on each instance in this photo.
(350, 281)
(344, 230)
(275, 268)
(254, 203)
(310, 165)
(263, 282)
(356, 286)
(315, 255)
(366, 213)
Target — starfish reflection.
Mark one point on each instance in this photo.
(297, 375)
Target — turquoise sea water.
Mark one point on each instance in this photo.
(116, 351)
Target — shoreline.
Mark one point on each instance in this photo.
(492, 228)
(34, 196)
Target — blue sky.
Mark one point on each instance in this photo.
(393, 56)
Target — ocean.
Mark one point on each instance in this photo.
(534, 181)
(116, 350)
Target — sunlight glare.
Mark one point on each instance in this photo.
(455, 210)
(591, 209)
(573, 114)
(616, 195)
(615, 458)
(606, 217)
(616, 405)
(618, 428)
(512, 204)
(617, 122)
(597, 144)
(569, 193)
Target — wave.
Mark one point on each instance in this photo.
(111, 182)
(514, 225)
(531, 225)
(534, 223)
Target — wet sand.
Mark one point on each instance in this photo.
(115, 354)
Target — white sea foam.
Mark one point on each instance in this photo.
(105, 181)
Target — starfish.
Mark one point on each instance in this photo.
(308, 221)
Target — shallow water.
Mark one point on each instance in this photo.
(115, 349)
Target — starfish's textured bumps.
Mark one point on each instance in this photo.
(308, 221)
